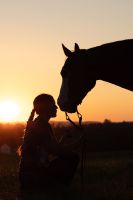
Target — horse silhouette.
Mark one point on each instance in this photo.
(111, 62)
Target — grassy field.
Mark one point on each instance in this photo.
(108, 172)
(107, 175)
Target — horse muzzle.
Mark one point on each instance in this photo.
(67, 106)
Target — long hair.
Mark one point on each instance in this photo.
(29, 123)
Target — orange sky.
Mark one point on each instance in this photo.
(32, 32)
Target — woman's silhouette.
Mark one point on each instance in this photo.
(44, 160)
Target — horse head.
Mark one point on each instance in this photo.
(75, 81)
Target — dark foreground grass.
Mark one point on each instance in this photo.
(107, 175)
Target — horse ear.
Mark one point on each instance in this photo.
(76, 48)
(67, 52)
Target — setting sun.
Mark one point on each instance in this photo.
(8, 111)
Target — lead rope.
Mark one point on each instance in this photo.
(83, 145)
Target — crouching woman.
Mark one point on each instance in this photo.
(44, 160)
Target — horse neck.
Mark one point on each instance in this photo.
(115, 76)
(109, 69)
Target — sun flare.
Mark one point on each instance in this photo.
(8, 111)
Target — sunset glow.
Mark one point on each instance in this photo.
(32, 33)
(8, 111)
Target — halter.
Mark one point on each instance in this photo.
(79, 126)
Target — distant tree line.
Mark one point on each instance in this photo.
(99, 136)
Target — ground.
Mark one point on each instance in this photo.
(107, 175)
